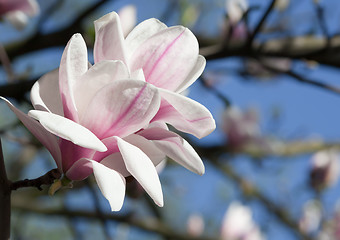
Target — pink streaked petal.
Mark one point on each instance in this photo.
(110, 182)
(141, 33)
(45, 93)
(109, 42)
(73, 64)
(121, 108)
(47, 139)
(142, 169)
(175, 147)
(185, 114)
(97, 77)
(67, 129)
(167, 57)
(193, 75)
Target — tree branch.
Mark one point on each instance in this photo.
(5, 200)
(46, 179)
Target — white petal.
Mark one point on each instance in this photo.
(73, 64)
(67, 129)
(193, 75)
(45, 94)
(175, 147)
(111, 184)
(109, 43)
(47, 139)
(142, 169)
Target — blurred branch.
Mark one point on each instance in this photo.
(280, 149)
(46, 179)
(58, 38)
(5, 200)
(16, 90)
(148, 224)
(260, 24)
(302, 79)
(313, 48)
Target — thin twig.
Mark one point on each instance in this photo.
(261, 22)
(46, 179)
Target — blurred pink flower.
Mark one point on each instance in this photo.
(325, 169)
(18, 11)
(195, 225)
(240, 127)
(238, 224)
(166, 57)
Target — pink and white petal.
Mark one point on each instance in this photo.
(110, 182)
(142, 169)
(73, 64)
(113, 159)
(141, 33)
(47, 139)
(185, 114)
(175, 147)
(67, 129)
(109, 42)
(80, 169)
(193, 75)
(167, 57)
(148, 147)
(97, 77)
(45, 94)
(121, 108)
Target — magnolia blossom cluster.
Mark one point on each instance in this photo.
(110, 118)
(18, 11)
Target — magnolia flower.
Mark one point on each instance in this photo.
(238, 224)
(166, 57)
(101, 119)
(18, 11)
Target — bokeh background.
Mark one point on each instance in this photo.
(272, 85)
